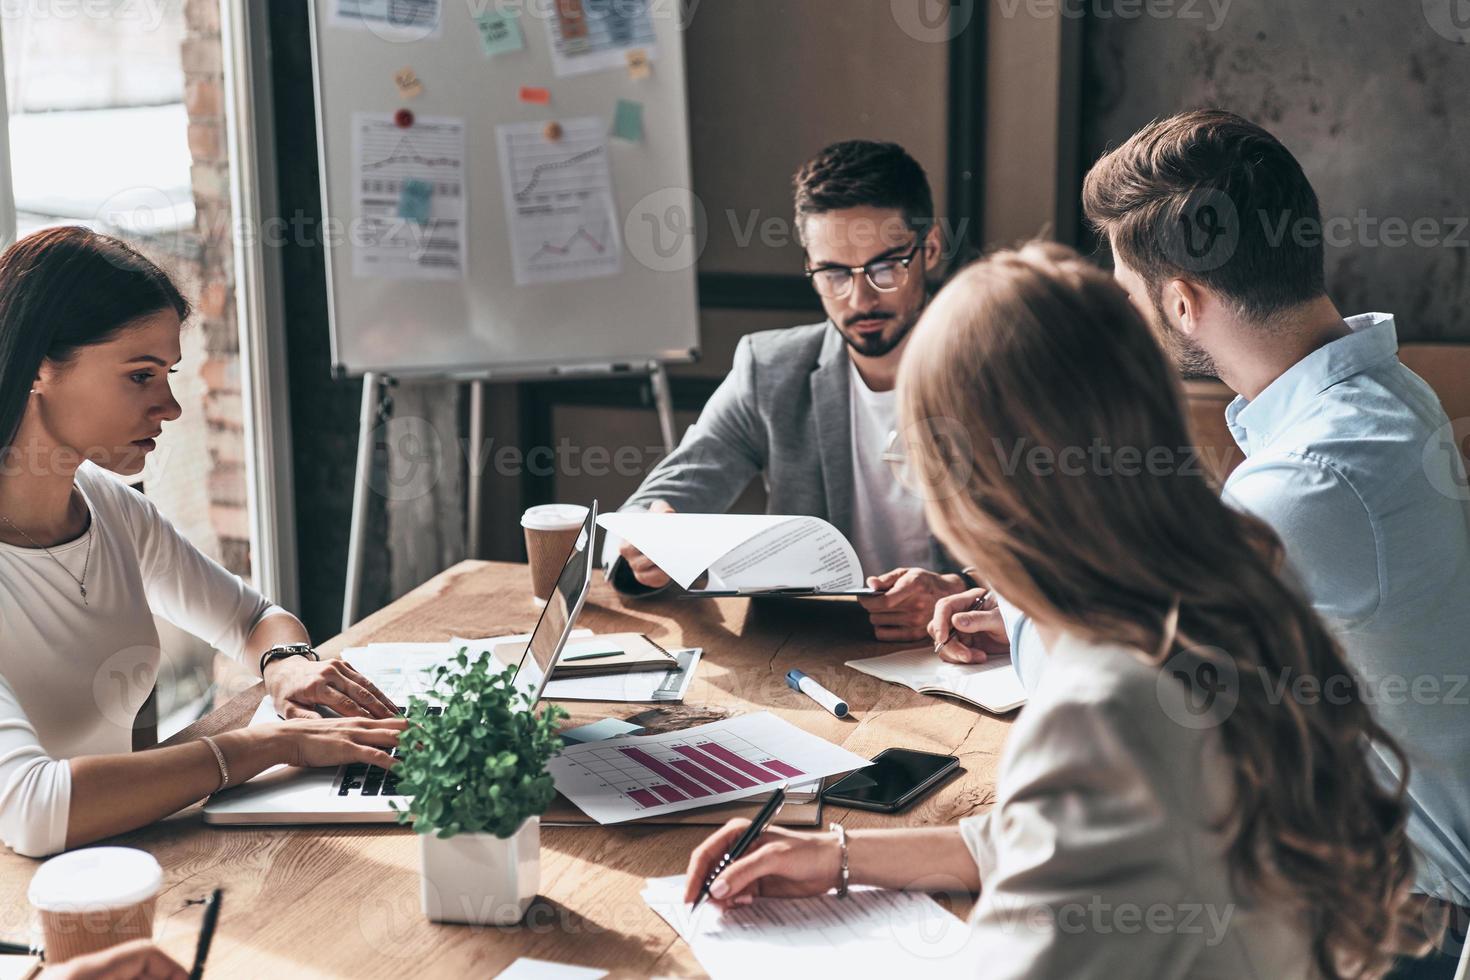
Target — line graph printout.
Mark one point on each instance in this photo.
(427, 160)
(596, 35)
(648, 775)
(392, 20)
(559, 203)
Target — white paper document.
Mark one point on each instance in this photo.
(743, 551)
(993, 685)
(871, 933)
(663, 686)
(597, 35)
(636, 776)
(409, 192)
(559, 201)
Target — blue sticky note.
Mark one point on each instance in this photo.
(500, 33)
(628, 123)
(413, 201)
(599, 731)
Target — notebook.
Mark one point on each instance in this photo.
(612, 653)
(993, 686)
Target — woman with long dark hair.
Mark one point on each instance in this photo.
(89, 333)
(1162, 808)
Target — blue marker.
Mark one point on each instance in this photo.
(798, 681)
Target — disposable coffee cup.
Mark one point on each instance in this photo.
(95, 898)
(551, 532)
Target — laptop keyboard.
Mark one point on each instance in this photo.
(361, 779)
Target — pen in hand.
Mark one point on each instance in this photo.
(954, 630)
(757, 827)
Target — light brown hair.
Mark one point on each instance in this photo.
(1038, 348)
(1209, 196)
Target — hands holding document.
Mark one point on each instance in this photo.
(643, 569)
(905, 607)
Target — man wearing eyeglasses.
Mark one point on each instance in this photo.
(812, 409)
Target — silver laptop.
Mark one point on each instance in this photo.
(361, 793)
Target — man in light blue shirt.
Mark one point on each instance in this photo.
(1216, 236)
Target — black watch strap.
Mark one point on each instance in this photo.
(968, 574)
(282, 651)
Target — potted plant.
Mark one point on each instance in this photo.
(477, 781)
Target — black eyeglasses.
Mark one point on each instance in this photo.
(884, 275)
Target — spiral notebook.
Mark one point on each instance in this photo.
(993, 686)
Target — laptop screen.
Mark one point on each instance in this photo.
(559, 613)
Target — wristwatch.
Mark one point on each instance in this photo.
(283, 650)
(968, 574)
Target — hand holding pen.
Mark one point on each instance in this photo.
(967, 628)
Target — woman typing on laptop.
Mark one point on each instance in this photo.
(1161, 809)
(89, 330)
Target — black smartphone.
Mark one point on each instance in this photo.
(896, 779)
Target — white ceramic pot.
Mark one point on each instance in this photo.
(481, 879)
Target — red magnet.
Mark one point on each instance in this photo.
(403, 118)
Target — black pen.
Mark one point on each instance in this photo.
(206, 932)
(757, 827)
(18, 949)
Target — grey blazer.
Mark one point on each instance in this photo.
(782, 412)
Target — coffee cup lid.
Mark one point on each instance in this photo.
(554, 517)
(95, 878)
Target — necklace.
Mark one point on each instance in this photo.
(81, 582)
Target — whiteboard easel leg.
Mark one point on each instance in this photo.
(475, 482)
(361, 486)
(663, 401)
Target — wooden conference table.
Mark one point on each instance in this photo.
(344, 901)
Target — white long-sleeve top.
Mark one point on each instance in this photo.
(73, 676)
(1102, 855)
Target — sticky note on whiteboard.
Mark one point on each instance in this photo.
(535, 95)
(639, 66)
(628, 122)
(414, 200)
(500, 33)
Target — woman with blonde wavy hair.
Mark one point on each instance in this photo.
(1188, 792)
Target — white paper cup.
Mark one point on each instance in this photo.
(95, 898)
(551, 532)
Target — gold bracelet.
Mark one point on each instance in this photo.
(224, 769)
(841, 833)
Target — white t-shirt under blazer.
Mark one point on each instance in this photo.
(73, 675)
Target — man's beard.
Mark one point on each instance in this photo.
(881, 343)
(1192, 360)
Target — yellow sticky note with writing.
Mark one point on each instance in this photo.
(639, 65)
(408, 83)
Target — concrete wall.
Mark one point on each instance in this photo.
(1366, 93)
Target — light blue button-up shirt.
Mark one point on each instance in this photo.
(1351, 459)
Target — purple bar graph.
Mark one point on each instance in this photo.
(669, 794)
(699, 775)
(783, 768)
(644, 798)
(674, 777)
(744, 765)
(718, 768)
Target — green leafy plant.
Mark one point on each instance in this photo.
(480, 765)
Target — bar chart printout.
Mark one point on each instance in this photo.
(644, 776)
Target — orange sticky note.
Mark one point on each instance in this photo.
(535, 95)
(409, 86)
(639, 67)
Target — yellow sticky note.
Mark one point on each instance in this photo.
(408, 83)
(639, 66)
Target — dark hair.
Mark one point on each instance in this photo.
(863, 173)
(1208, 196)
(62, 289)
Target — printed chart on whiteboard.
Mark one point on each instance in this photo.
(597, 35)
(647, 775)
(559, 202)
(410, 197)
